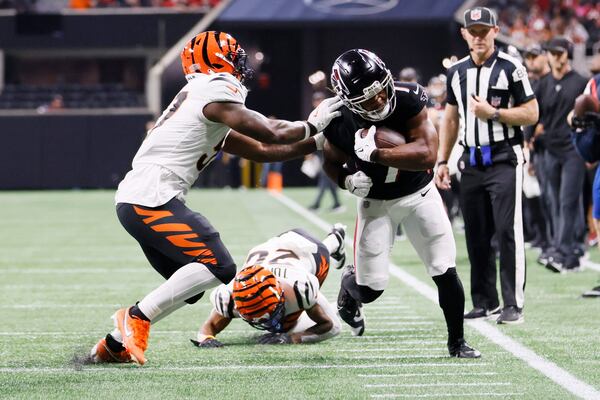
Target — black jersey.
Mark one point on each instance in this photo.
(388, 183)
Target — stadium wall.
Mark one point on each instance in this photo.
(68, 151)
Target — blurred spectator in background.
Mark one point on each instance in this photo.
(436, 90)
(531, 21)
(85, 4)
(55, 104)
(536, 208)
(325, 184)
(556, 93)
(408, 74)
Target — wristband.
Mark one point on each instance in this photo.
(496, 116)
(313, 129)
(202, 338)
(306, 129)
(443, 162)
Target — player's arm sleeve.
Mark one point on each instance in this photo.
(520, 88)
(222, 301)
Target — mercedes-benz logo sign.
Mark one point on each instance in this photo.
(351, 7)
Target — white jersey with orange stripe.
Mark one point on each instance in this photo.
(288, 250)
(181, 143)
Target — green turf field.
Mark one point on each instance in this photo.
(66, 264)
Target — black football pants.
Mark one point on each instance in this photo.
(491, 201)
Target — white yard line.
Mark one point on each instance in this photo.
(404, 323)
(416, 374)
(560, 376)
(395, 342)
(388, 349)
(370, 337)
(395, 316)
(441, 354)
(436, 384)
(591, 265)
(459, 395)
(243, 367)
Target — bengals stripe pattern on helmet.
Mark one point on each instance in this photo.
(256, 292)
(210, 52)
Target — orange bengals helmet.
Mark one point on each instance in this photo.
(213, 52)
(259, 298)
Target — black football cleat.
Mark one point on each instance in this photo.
(461, 349)
(350, 309)
(511, 315)
(477, 312)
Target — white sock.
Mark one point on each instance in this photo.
(186, 282)
(116, 333)
(332, 243)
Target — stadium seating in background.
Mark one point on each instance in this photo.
(56, 5)
(536, 21)
(107, 95)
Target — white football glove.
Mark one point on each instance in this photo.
(321, 116)
(359, 184)
(365, 146)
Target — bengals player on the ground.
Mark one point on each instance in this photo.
(278, 291)
(393, 185)
(208, 115)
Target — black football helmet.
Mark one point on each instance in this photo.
(358, 75)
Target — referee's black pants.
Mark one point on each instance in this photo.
(491, 201)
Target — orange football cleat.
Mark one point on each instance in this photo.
(135, 333)
(102, 354)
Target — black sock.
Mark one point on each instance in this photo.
(135, 311)
(363, 294)
(452, 301)
(113, 344)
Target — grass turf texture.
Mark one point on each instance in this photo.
(66, 264)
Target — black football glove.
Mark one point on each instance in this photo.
(275, 338)
(207, 343)
(589, 120)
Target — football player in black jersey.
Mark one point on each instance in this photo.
(393, 185)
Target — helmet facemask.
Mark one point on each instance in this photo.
(273, 323)
(355, 104)
(238, 61)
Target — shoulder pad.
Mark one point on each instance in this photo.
(225, 87)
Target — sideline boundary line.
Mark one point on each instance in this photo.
(549, 369)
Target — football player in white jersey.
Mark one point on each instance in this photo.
(278, 291)
(206, 116)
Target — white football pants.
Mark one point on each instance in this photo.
(425, 222)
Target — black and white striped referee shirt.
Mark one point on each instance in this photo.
(503, 81)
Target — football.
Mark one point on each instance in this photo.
(386, 138)
(585, 103)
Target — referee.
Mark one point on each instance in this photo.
(490, 98)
